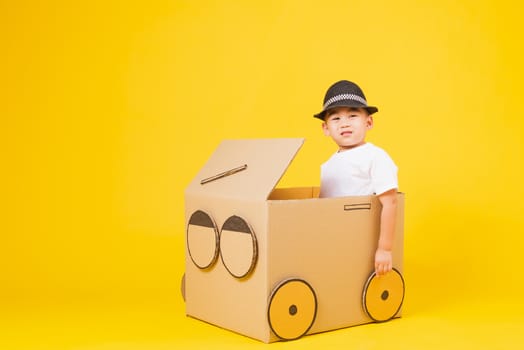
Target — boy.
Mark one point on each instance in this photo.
(358, 168)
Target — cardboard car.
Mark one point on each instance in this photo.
(280, 263)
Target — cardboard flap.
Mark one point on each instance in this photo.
(247, 169)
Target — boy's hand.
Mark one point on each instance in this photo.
(383, 261)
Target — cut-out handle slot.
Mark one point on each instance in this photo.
(358, 206)
(224, 174)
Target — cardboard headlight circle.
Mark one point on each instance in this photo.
(238, 247)
(292, 309)
(202, 240)
(383, 295)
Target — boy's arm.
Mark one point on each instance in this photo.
(383, 255)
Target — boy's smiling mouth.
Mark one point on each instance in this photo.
(346, 133)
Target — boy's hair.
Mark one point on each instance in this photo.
(332, 110)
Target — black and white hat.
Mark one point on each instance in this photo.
(344, 94)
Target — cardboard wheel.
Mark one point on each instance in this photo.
(183, 287)
(383, 295)
(202, 240)
(238, 247)
(292, 309)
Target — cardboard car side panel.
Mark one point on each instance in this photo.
(329, 247)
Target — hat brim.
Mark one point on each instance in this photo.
(369, 109)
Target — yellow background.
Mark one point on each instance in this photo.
(109, 108)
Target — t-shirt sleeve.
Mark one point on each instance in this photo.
(383, 173)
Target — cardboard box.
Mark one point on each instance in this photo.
(277, 264)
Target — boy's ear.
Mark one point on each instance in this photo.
(325, 129)
(370, 122)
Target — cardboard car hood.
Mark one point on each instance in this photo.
(245, 169)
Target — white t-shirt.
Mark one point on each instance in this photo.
(359, 171)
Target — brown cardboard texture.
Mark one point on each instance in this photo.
(277, 264)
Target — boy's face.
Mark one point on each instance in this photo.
(347, 126)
